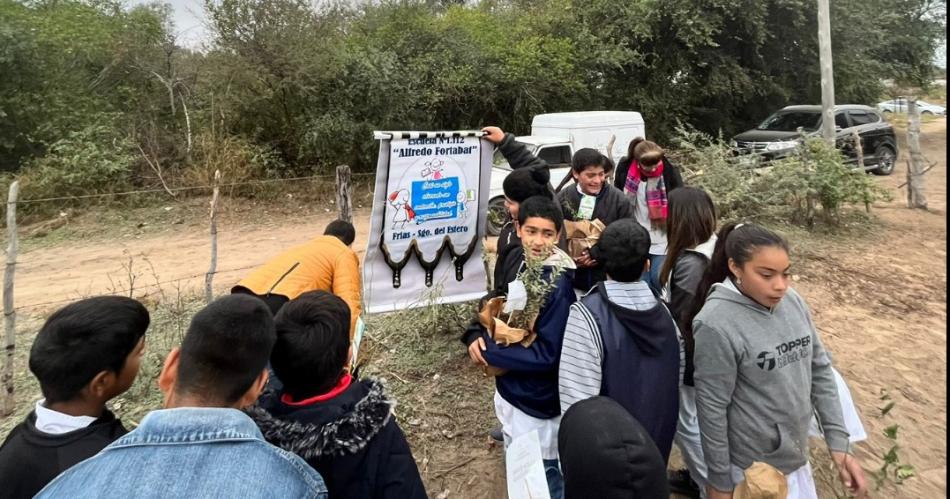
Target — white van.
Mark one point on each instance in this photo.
(554, 138)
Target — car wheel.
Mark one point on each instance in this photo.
(886, 158)
(927, 113)
(886, 111)
(497, 215)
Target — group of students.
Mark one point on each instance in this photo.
(695, 334)
(227, 428)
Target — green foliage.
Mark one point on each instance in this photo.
(893, 469)
(81, 163)
(805, 188)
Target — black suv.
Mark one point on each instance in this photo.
(778, 136)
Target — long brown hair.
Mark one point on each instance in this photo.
(691, 222)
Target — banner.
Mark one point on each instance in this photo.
(430, 206)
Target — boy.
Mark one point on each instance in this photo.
(201, 444)
(621, 342)
(325, 263)
(342, 426)
(592, 198)
(526, 396)
(86, 353)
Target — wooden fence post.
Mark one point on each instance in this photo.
(9, 313)
(209, 277)
(915, 167)
(343, 202)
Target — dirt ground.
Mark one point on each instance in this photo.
(879, 300)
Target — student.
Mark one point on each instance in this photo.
(325, 263)
(344, 427)
(607, 454)
(86, 353)
(761, 369)
(526, 396)
(592, 198)
(647, 176)
(621, 342)
(691, 233)
(201, 444)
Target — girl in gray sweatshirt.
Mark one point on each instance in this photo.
(761, 371)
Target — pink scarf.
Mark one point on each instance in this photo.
(655, 190)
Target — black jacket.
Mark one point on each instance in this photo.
(688, 272)
(352, 440)
(671, 174)
(30, 459)
(612, 205)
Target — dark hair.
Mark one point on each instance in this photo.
(226, 348)
(313, 340)
(522, 183)
(587, 157)
(83, 339)
(691, 222)
(541, 207)
(633, 147)
(342, 230)
(736, 241)
(624, 246)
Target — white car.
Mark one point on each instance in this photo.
(899, 105)
(556, 153)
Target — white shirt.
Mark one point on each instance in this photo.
(57, 423)
(642, 214)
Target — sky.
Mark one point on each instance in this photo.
(190, 20)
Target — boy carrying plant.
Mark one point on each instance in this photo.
(526, 396)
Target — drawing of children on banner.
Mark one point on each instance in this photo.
(399, 200)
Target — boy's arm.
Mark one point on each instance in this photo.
(579, 373)
(346, 285)
(543, 354)
(715, 380)
(518, 155)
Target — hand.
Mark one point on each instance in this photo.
(585, 261)
(712, 493)
(851, 474)
(475, 350)
(494, 134)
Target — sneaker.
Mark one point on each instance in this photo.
(681, 483)
(496, 434)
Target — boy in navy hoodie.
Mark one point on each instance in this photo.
(342, 426)
(86, 353)
(621, 341)
(526, 396)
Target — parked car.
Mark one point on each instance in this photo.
(778, 136)
(899, 105)
(554, 138)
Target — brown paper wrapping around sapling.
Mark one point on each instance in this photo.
(582, 235)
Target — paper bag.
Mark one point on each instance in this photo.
(582, 235)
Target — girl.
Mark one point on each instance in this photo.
(592, 198)
(691, 234)
(760, 368)
(647, 177)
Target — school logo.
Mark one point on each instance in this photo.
(766, 361)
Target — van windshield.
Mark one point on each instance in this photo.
(789, 121)
(499, 159)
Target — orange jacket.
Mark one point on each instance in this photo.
(325, 263)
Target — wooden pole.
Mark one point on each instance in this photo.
(9, 313)
(209, 277)
(343, 202)
(915, 174)
(827, 73)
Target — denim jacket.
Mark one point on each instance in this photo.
(191, 452)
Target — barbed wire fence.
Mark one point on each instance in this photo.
(343, 186)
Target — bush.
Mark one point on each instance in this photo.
(81, 163)
(812, 185)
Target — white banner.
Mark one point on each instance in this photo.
(429, 211)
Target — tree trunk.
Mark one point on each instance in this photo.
(343, 202)
(213, 267)
(915, 169)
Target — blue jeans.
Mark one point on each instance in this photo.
(653, 277)
(552, 471)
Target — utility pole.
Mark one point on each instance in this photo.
(827, 73)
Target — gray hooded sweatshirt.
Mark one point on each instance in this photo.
(759, 374)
